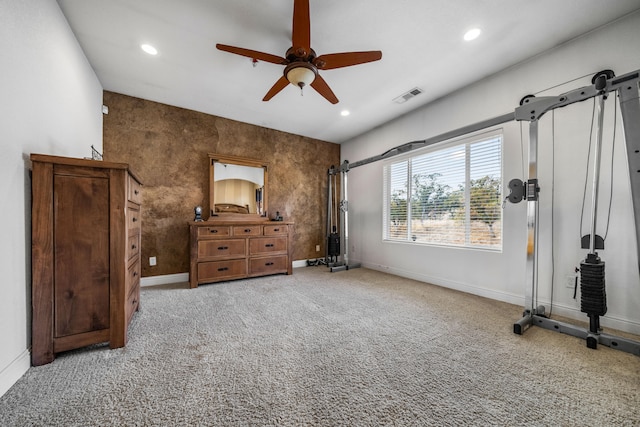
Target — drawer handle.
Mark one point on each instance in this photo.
(133, 246)
(247, 230)
(213, 231)
(135, 273)
(134, 302)
(136, 192)
(269, 245)
(223, 268)
(268, 263)
(223, 248)
(276, 229)
(134, 219)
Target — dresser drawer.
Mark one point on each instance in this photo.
(133, 216)
(133, 245)
(228, 248)
(268, 265)
(221, 270)
(267, 245)
(213, 231)
(275, 230)
(135, 191)
(247, 230)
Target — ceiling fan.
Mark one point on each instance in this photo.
(301, 62)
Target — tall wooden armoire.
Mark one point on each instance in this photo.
(86, 267)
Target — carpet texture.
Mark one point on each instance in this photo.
(354, 348)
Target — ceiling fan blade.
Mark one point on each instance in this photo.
(266, 57)
(280, 84)
(323, 89)
(346, 59)
(301, 28)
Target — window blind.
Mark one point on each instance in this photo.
(449, 196)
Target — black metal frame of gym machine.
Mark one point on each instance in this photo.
(532, 109)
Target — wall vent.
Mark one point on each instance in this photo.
(407, 96)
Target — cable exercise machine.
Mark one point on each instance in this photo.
(531, 109)
(333, 237)
(592, 269)
(337, 250)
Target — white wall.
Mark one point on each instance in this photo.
(50, 103)
(502, 275)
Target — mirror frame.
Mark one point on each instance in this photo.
(240, 161)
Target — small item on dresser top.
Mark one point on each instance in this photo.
(198, 213)
(278, 217)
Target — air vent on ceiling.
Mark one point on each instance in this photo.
(407, 96)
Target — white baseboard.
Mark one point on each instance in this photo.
(625, 325)
(14, 371)
(184, 277)
(458, 286)
(164, 279)
(299, 263)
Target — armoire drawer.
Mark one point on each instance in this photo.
(133, 245)
(133, 275)
(133, 216)
(133, 299)
(134, 191)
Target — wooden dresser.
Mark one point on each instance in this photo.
(227, 250)
(86, 267)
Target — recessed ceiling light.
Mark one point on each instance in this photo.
(149, 49)
(344, 113)
(472, 34)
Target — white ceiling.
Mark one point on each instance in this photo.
(421, 43)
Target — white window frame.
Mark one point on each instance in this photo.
(467, 142)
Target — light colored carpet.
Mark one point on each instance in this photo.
(354, 348)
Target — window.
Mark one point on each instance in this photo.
(447, 195)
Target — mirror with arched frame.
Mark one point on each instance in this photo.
(237, 187)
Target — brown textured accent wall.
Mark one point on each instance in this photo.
(168, 147)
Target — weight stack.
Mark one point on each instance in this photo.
(593, 299)
(333, 244)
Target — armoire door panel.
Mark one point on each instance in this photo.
(81, 272)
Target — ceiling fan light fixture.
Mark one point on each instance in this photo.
(300, 74)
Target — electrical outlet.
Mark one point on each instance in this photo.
(152, 261)
(570, 281)
(317, 248)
